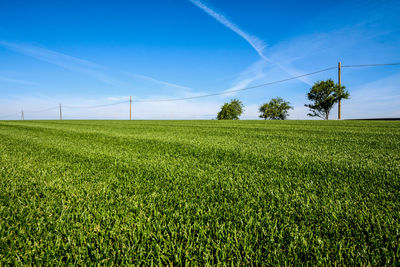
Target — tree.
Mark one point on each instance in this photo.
(231, 111)
(276, 109)
(324, 95)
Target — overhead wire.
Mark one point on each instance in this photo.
(212, 94)
(98, 106)
(237, 90)
(370, 65)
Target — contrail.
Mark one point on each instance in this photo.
(256, 43)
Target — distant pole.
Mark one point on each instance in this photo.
(22, 115)
(60, 113)
(130, 109)
(339, 78)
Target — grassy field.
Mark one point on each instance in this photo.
(175, 192)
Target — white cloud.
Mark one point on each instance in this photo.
(249, 75)
(377, 99)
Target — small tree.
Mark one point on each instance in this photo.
(324, 95)
(276, 109)
(231, 111)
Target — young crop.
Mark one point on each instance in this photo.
(199, 192)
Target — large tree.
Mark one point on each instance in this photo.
(276, 109)
(324, 95)
(231, 111)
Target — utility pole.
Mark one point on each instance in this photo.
(339, 78)
(130, 109)
(60, 113)
(22, 115)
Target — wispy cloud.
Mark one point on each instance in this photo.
(252, 73)
(379, 98)
(48, 55)
(62, 60)
(78, 65)
(10, 80)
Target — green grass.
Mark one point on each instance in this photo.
(199, 192)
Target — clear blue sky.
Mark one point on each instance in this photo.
(82, 53)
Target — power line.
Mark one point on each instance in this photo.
(98, 106)
(270, 83)
(370, 65)
(233, 91)
(201, 96)
(213, 94)
(237, 90)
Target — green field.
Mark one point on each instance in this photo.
(176, 192)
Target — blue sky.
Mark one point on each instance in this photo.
(83, 53)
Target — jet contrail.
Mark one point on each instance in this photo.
(256, 43)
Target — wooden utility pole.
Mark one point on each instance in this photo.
(130, 109)
(60, 113)
(339, 78)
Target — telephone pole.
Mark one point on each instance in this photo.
(130, 109)
(60, 113)
(22, 115)
(339, 78)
